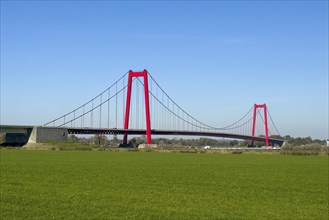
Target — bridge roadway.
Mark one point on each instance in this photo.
(114, 131)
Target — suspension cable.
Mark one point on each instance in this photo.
(88, 101)
(85, 113)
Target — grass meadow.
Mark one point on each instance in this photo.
(49, 184)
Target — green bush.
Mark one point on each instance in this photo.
(305, 149)
(237, 152)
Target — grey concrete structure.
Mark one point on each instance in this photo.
(15, 135)
(45, 134)
(20, 135)
(147, 146)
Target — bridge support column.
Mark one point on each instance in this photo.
(147, 106)
(265, 123)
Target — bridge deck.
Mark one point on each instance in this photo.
(114, 131)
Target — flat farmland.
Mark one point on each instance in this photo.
(48, 184)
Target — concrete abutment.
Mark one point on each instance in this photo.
(12, 135)
(48, 134)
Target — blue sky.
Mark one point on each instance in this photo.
(215, 59)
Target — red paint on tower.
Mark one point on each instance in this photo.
(143, 74)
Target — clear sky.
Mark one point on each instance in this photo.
(215, 59)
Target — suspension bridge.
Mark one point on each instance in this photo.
(137, 105)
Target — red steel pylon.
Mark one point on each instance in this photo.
(147, 106)
(265, 122)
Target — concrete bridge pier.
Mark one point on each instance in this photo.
(46, 134)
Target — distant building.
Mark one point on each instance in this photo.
(327, 142)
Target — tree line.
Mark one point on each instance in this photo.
(103, 140)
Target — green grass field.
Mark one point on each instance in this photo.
(152, 185)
